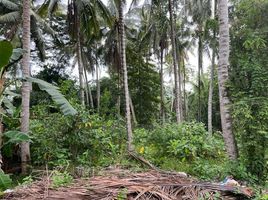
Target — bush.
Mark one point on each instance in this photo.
(184, 147)
(83, 139)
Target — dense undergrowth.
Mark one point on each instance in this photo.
(82, 145)
(90, 141)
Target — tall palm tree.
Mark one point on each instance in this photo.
(84, 24)
(200, 11)
(124, 66)
(175, 64)
(223, 65)
(213, 46)
(26, 87)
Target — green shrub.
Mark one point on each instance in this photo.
(85, 138)
(185, 147)
(60, 179)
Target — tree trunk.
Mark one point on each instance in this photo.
(86, 87)
(162, 107)
(2, 83)
(132, 110)
(200, 69)
(175, 63)
(89, 90)
(26, 86)
(184, 90)
(124, 65)
(210, 95)
(80, 64)
(223, 65)
(97, 83)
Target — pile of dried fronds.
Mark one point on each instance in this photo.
(121, 184)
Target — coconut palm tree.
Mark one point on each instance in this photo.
(213, 47)
(84, 19)
(200, 12)
(122, 41)
(223, 66)
(175, 64)
(26, 87)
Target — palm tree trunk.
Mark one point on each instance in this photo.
(210, 94)
(124, 65)
(26, 86)
(89, 90)
(226, 121)
(200, 66)
(162, 108)
(80, 64)
(175, 63)
(184, 90)
(119, 88)
(132, 110)
(97, 83)
(86, 87)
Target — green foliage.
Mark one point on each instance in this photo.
(5, 180)
(56, 96)
(5, 52)
(27, 180)
(144, 84)
(16, 137)
(122, 195)
(60, 179)
(248, 85)
(86, 139)
(185, 147)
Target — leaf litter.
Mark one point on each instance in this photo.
(121, 184)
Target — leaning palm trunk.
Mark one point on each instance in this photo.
(132, 111)
(223, 65)
(175, 63)
(124, 65)
(26, 86)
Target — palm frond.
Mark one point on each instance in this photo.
(43, 9)
(38, 39)
(9, 5)
(46, 26)
(105, 12)
(11, 17)
(52, 6)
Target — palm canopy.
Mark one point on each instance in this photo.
(11, 18)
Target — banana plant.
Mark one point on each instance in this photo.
(8, 57)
